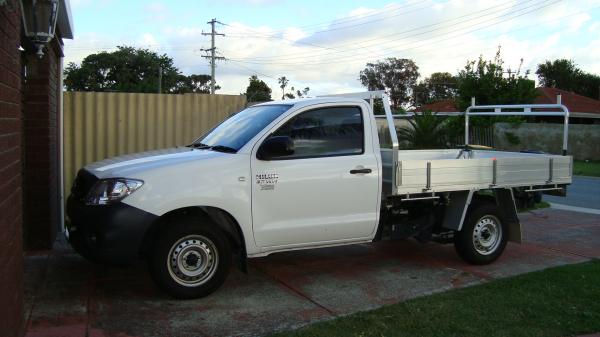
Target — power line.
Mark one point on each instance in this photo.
(274, 36)
(429, 41)
(212, 51)
(296, 54)
(466, 54)
(361, 43)
(402, 35)
(255, 72)
(337, 22)
(419, 45)
(352, 19)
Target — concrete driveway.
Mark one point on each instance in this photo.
(67, 296)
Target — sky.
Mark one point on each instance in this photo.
(324, 44)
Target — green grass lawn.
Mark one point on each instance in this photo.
(590, 168)
(562, 301)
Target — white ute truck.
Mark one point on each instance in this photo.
(300, 174)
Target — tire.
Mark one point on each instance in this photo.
(483, 236)
(190, 258)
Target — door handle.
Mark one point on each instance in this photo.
(360, 171)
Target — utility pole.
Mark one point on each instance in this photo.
(159, 79)
(212, 55)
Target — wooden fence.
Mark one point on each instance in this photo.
(102, 125)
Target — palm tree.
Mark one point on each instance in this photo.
(283, 82)
(426, 131)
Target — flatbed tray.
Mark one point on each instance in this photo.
(433, 171)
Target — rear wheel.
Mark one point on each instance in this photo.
(191, 258)
(483, 236)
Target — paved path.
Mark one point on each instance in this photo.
(583, 192)
(67, 296)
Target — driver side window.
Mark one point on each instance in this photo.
(335, 131)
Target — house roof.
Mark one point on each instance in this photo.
(573, 101)
(579, 106)
(447, 105)
(65, 19)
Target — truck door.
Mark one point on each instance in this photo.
(327, 190)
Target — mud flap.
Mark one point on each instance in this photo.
(457, 209)
(506, 202)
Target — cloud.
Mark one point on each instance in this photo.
(578, 21)
(156, 12)
(148, 39)
(328, 57)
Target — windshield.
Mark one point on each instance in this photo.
(238, 129)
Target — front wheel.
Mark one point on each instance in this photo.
(191, 258)
(483, 236)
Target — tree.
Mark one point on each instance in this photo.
(298, 93)
(302, 93)
(560, 73)
(283, 82)
(130, 69)
(564, 74)
(396, 76)
(589, 85)
(199, 84)
(485, 81)
(426, 131)
(257, 90)
(437, 87)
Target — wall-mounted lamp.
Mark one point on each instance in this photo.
(39, 21)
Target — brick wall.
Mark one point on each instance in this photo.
(41, 157)
(11, 251)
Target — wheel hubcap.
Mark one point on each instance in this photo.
(487, 235)
(192, 260)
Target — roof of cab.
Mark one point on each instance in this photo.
(300, 102)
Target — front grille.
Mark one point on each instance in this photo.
(83, 184)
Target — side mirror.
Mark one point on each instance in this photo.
(275, 146)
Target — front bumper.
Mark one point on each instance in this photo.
(107, 233)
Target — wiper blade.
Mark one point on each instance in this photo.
(219, 148)
(223, 148)
(199, 146)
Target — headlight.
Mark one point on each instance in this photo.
(110, 190)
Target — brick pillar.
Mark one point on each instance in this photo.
(11, 250)
(41, 177)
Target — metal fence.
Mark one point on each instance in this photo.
(100, 125)
(479, 135)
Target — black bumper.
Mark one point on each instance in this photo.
(107, 233)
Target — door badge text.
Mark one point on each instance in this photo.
(267, 181)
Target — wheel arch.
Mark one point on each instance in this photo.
(220, 217)
(462, 201)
